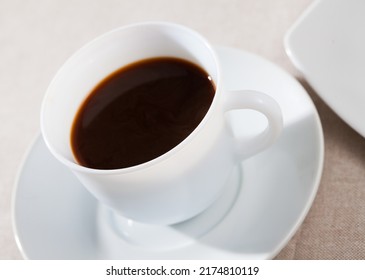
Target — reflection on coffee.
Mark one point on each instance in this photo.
(140, 112)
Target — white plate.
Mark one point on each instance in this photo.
(56, 218)
(327, 44)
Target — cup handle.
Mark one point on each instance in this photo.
(258, 101)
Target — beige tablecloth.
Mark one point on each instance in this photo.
(36, 37)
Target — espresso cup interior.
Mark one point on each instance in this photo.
(91, 64)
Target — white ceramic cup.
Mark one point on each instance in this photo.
(187, 179)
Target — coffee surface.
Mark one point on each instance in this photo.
(140, 112)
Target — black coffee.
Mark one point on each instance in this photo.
(140, 112)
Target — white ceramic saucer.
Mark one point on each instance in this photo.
(327, 45)
(56, 218)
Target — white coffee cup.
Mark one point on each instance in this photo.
(187, 179)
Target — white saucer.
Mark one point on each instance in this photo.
(56, 218)
(327, 45)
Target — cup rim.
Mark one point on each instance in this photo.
(80, 168)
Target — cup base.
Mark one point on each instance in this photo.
(181, 234)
